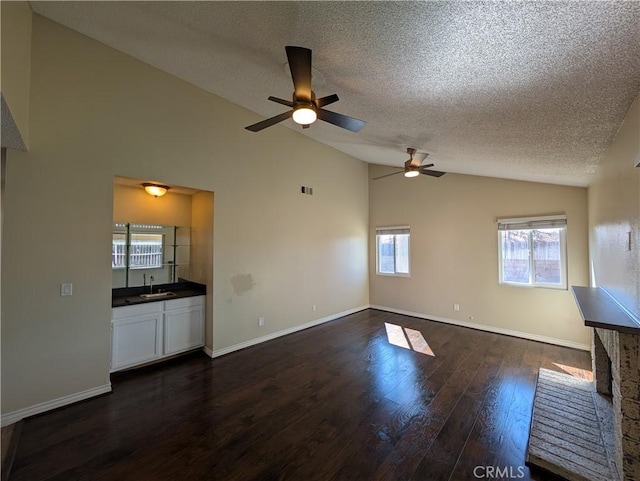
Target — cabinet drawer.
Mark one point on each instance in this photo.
(183, 303)
(136, 310)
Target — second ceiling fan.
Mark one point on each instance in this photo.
(305, 107)
(412, 167)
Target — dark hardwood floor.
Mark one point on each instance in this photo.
(334, 402)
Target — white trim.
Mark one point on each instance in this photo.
(207, 351)
(15, 416)
(482, 327)
(284, 332)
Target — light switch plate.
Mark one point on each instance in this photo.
(66, 289)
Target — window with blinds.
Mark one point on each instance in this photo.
(392, 251)
(532, 251)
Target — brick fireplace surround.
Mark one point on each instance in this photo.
(615, 351)
(616, 368)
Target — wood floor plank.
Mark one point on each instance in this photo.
(333, 402)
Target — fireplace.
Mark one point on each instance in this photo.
(616, 368)
(615, 350)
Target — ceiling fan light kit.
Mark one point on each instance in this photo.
(304, 115)
(412, 167)
(305, 108)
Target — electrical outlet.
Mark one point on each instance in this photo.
(456, 307)
(313, 308)
(66, 289)
(261, 321)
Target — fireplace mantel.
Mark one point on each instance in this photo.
(615, 345)
(599, 309)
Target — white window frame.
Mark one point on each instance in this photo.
(397, 230)
(530, 224)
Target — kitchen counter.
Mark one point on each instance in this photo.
(129, 296)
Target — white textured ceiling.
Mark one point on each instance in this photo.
(522, 90)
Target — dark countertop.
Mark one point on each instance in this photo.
(599, 309)
(129, 296)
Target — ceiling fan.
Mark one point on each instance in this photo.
(412, 167)
(305, 107)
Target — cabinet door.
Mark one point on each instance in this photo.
(136, 340)
(183, 329)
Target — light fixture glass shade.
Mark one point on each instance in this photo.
(155, 190)
(304, 116)
(411, 173)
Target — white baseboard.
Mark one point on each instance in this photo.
(291, 330)
(482, 327)
(15, 416)
(207, 351)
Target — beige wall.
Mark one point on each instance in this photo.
(614, 211)
(202, 218)
(134, 205)
(96, 113)
(16, 63)
(454, 252)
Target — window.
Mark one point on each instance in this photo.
(392, 251)
(533, 251)
(144, 249)
(119, 250)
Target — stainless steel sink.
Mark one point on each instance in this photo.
(158, 295)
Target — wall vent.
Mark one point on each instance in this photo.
(306, 190)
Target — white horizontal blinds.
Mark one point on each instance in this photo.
(392, 230)
(542, 222)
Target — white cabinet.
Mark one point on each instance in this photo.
(145, 332)
(183, 324)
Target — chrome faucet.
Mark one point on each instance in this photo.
(151, 279)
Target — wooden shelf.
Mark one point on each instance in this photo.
(599, 309)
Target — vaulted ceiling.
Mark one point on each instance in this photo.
(522, 90)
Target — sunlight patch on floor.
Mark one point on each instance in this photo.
(407, 339)
(418, 342)
(576, 372)
(396, 336)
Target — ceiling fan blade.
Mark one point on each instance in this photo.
(329, 99)
(288, 103)
(426, 166)
(432, 173)
(344, 121)
(421, 156)
(387, 175)
(300, 66)
(269, 122)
